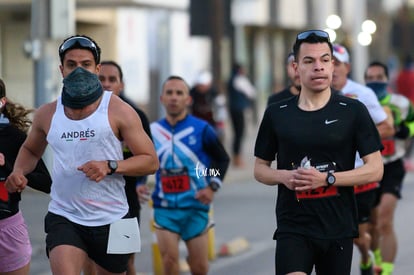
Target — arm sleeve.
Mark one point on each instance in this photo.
(220, 160)
(145, 122)
(40, 178)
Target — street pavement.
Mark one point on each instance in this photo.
(243, 209)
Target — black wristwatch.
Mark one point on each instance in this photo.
(330, 178)
(214, 186)
(113, 165)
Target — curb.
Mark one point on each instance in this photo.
(234, 247)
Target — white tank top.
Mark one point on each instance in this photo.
(74, 142)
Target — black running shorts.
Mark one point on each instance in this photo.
(296, 252)
(92, 239)
(366, 201)
(392, 180)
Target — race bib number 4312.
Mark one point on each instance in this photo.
(175, 180)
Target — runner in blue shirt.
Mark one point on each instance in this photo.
(193, 163)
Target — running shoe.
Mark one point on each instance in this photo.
(367, 271)
(377, 270)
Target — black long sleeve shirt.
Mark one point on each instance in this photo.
(11, 139)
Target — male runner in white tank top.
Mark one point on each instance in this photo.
(85, 127)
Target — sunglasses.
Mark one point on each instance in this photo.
(318, 33)
(79, 41)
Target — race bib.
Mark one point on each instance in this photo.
(318, 193)
(4, 195)
(124, 237)
(175, 180)
(365, 187)
(389, 147)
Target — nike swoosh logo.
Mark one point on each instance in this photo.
(126, 236)
(330, 121)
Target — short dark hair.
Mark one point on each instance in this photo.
(80, 42)
(235, 68)
(312, 37)
(379, 64)
(113, 63)
(175, 77)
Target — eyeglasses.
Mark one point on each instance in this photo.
(318, 33)
(80, 41)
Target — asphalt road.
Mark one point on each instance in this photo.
(244, 209)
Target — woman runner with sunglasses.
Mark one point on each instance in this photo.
(85, 128)
(314, 137)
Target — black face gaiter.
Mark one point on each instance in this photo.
(80, 88)
(380, 88)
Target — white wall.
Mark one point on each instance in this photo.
(187, 55)
(132, 49)
(17, 69)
